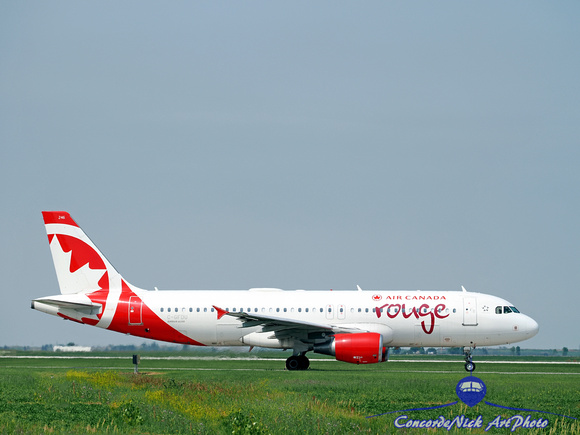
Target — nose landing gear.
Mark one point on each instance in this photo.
(469, 364)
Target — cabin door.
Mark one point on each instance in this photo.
(469, 311)
(135, 305)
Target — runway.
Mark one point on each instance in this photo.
(392, 366)
(225, 358)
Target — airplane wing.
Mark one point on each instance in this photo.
(283, 326)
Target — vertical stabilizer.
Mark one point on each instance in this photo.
(80, 266)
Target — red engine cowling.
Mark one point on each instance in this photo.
(361, 348)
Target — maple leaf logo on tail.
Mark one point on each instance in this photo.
(73, 278)
(80, 266)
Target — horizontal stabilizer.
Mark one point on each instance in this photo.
(71, 302)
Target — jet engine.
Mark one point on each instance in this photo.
(358, 348)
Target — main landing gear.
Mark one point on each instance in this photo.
(469, 364)
(298, 362)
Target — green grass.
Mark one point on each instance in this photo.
(207, 396)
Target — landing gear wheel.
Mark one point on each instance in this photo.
(293, 363)
(470, 366)
(297, 362)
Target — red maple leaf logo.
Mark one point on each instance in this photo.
(377, 297)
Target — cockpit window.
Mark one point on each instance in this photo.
(499, 310)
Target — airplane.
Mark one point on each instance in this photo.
(356, 326)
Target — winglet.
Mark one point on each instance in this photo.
(359, 289)
(463, 288)
(220, 312)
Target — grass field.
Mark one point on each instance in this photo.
(88, 395)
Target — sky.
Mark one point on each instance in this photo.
(298, 145)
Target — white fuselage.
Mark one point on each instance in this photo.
(416, 318)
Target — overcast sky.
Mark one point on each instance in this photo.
(316, 145)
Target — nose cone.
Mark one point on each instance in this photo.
(530, 327)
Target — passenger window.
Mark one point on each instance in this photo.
(205, 310)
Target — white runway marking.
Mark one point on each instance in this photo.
(395, 368)
(224, 358)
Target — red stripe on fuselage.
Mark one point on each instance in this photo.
(152, 325)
